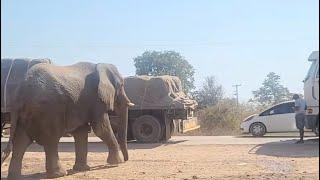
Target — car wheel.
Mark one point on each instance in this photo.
(146, 129)
(172, 128)
(316, 129)
(258, 129)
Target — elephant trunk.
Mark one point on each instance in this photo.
(122, 134)
(123, 125)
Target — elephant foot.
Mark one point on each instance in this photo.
(114, 157)
(81, 167)
(56, 174)
(12, 176)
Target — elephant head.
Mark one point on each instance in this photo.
(111, 92)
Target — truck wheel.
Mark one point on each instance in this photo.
(146, 129)
(2, 128)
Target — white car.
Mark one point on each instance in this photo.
(279, 118)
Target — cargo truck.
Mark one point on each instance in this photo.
(161, 108)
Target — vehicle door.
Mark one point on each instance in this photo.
(281, 118)
(291, 117)
(264, 118)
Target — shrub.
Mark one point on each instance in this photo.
(224, 118)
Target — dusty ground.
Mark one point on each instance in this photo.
(191, 158)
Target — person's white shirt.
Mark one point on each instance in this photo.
(300, 105)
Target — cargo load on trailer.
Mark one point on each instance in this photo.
(148, 92)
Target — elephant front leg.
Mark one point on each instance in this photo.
(20, 144)
(102, 128)
(53, 166)
(81, 147)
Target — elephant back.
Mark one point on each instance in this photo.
(13, 72)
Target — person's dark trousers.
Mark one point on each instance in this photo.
(300, 122)
(301, 134)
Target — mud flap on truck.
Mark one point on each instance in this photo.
(183, 126)
(311, 121)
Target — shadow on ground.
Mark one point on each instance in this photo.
(268, 137)
(288, 148)
(92, 147)
(42, 175)
(96, 146)
(279, 135)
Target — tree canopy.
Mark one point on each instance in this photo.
(157, 63)
(271, 92)
(210, 93)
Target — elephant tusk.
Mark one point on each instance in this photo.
(130, 104)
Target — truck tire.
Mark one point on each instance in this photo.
(2, 128)
(146, 129)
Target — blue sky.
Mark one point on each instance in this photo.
(237, 41)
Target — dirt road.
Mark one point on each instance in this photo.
(189, 157)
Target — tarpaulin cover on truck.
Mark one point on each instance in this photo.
(157, 92)
(13, 72)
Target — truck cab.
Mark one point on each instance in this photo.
(311, 93)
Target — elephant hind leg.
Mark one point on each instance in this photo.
(81, 147)
(21, 141)
(102, 128)
(53, 166)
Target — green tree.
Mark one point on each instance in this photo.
(157, 63)
(210, 93)
(271, 92)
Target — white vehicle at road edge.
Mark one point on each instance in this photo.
(311, 93)
(278, 118)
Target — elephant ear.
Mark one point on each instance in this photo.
(106, 90)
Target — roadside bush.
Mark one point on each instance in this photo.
(224, 118)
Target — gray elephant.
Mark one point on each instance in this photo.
(54, 100)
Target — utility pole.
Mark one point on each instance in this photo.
(237, 92)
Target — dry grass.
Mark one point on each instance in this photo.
(222, 119)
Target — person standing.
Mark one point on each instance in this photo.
(300, 110)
